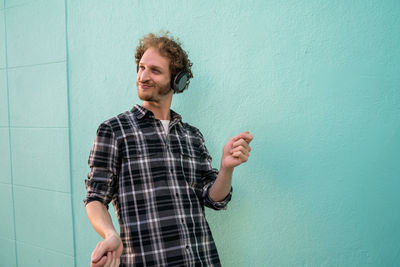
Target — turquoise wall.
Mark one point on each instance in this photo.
(316, 83)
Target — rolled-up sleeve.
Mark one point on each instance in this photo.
(216, 205)
(209, 176)
(102, 182)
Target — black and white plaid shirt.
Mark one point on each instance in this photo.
(159, 185)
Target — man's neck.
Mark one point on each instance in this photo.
(160, 110)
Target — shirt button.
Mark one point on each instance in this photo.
(182, 220)
(187, 247)
(177, 194)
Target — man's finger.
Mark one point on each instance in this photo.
(240, 156)
(100, 263)
(243, 157)
(241, 148)
(236, 154)
(248, 137)
(114, 260)
(109, 259)
(98, 252)
(241, 142)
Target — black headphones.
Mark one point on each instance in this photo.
(178, 81)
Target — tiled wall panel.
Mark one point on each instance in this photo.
(8, 256)
(38, 96)
(6, 212)
(5, 174)
(36, 33)
(35, 198)
(3, 99)
(43, 218)
(33, 256)
(2, 40)
(40, 158)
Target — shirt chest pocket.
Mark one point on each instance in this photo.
(142, 162)
(193, 163)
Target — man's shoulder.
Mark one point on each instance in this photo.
(116, 120)
(192, 130)
(119, 123)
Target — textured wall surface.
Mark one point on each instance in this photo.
(35, 180)
(317, 83)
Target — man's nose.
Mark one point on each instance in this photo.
(143, 75)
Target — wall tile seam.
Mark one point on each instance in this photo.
(16, 6)
(37, 127)
(41, 247)
(40, 189)
(37, 64)
(5, 238)
(69, 130)
(9, 137)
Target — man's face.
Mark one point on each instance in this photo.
(153, 77)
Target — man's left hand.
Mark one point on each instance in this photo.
(236, 151)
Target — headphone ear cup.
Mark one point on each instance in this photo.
(179, 81)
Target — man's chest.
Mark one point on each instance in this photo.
(149, 157)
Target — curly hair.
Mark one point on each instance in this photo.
(168, 47)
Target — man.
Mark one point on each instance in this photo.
(157, 172)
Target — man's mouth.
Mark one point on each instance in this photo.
(144, 86)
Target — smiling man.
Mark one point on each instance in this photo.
(157, 172)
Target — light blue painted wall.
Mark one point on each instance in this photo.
(316, 82)
(35, 184)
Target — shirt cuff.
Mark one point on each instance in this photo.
(96, 191)
(91, 199)
(216, 205)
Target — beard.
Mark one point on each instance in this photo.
(156, 93)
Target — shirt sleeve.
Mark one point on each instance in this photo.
(101, 184)
(210, 175)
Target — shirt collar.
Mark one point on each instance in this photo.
(141, 112)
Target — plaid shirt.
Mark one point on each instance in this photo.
(159, 186)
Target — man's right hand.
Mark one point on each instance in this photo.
(107, 252)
